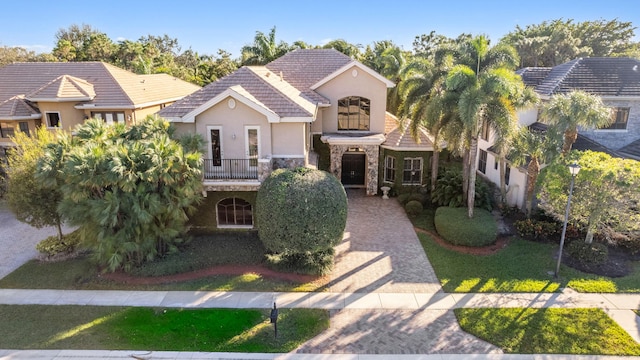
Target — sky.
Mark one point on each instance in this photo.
(206, 26)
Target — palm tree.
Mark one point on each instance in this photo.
(532, 148)
(567, 112)
(488, 91)
(264, 49)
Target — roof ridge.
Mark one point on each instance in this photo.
(108, 70)
(270, 85)
(566, 73)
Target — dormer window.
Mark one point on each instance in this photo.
(354, 113)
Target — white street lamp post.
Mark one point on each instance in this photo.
(574, 169)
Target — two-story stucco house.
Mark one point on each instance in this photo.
(63, 95)
(615, 80)
(262, 118)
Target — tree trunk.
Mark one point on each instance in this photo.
(503, 184)
(471, 197)
(570, 137)
(532, 174)
(465, 175)
(434, 169)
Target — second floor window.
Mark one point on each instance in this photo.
(482, 162)
(354, 113)
(620, 118)
(53, 120)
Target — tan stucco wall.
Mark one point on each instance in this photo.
(185, 128)
(233, 121)
(69, 116)
(288, 139)
(346, 84)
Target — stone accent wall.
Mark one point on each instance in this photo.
(265, 167)
(372, 156)
(616, 139)
(288, 163)
(230, 187)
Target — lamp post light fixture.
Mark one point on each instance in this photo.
(574, 169)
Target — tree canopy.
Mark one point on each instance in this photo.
(129, 189)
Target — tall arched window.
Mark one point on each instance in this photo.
(354, 113)
(234, 212)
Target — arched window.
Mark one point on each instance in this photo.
(354, 113)
(234, 212)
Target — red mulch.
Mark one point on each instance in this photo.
(216, 270)
(501, 243)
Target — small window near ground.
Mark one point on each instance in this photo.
(53, 120)
(234, 212)
(412, 174)
(390, 169)
(620, 119)
(482, 162)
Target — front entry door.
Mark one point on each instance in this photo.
(353, 169)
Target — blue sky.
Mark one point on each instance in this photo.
(207, 26)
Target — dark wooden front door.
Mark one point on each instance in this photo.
(353, 169)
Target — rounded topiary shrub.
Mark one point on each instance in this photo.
(413, 208)
(588, 254)
(300, 211)
(403, 198)
(456, 228)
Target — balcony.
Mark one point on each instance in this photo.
(231, 169)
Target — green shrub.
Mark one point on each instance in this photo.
(300, 211)
(52, 246)
(456, 228)
(318, 263)
(413, 208)
(536, 230)
(403, 199)
(448, 191)
(421, 198)
(588, 254)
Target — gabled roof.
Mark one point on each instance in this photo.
(285, 86)
(631, 150)
(113, 87)
(599, 76)
(18, 108)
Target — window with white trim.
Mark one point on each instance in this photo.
(620, 117)
(389, 169)
(109, 117)
(412, 172)
(53, 120)
(482, 162)
(234, 212)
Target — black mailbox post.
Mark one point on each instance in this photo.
(274, 319)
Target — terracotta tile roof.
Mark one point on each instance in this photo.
(390, 122)
(64, 87)
(400, 138)
(17, 108)
(113, 86)
(600, 76)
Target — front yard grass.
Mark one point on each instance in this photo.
(203, 252)
(119, 328)
(548, 331)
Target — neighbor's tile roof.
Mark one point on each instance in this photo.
(283, 85)
(17, 107)
(582, 143)
(599, 76)
(64, 87)
(631, 150)
(533, 76)
(113, 86)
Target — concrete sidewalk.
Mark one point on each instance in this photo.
(618, 306)
(168, 355)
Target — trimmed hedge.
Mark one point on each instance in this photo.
(456, 228)
(300, 211)
(413, 208)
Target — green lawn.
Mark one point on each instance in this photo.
(548, 331)
(522, 266)
(203, 252)
(113, 328)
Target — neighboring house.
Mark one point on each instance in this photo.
(63, 95)
(615, 80)
(308, 106)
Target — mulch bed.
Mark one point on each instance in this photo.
(501, 243)
(125, 278)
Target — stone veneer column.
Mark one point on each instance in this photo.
(372, 152)
(264, 169)
(336, 152)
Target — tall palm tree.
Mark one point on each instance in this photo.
(264, 49)
(533, 148)
(567, 112)
(488, 92)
